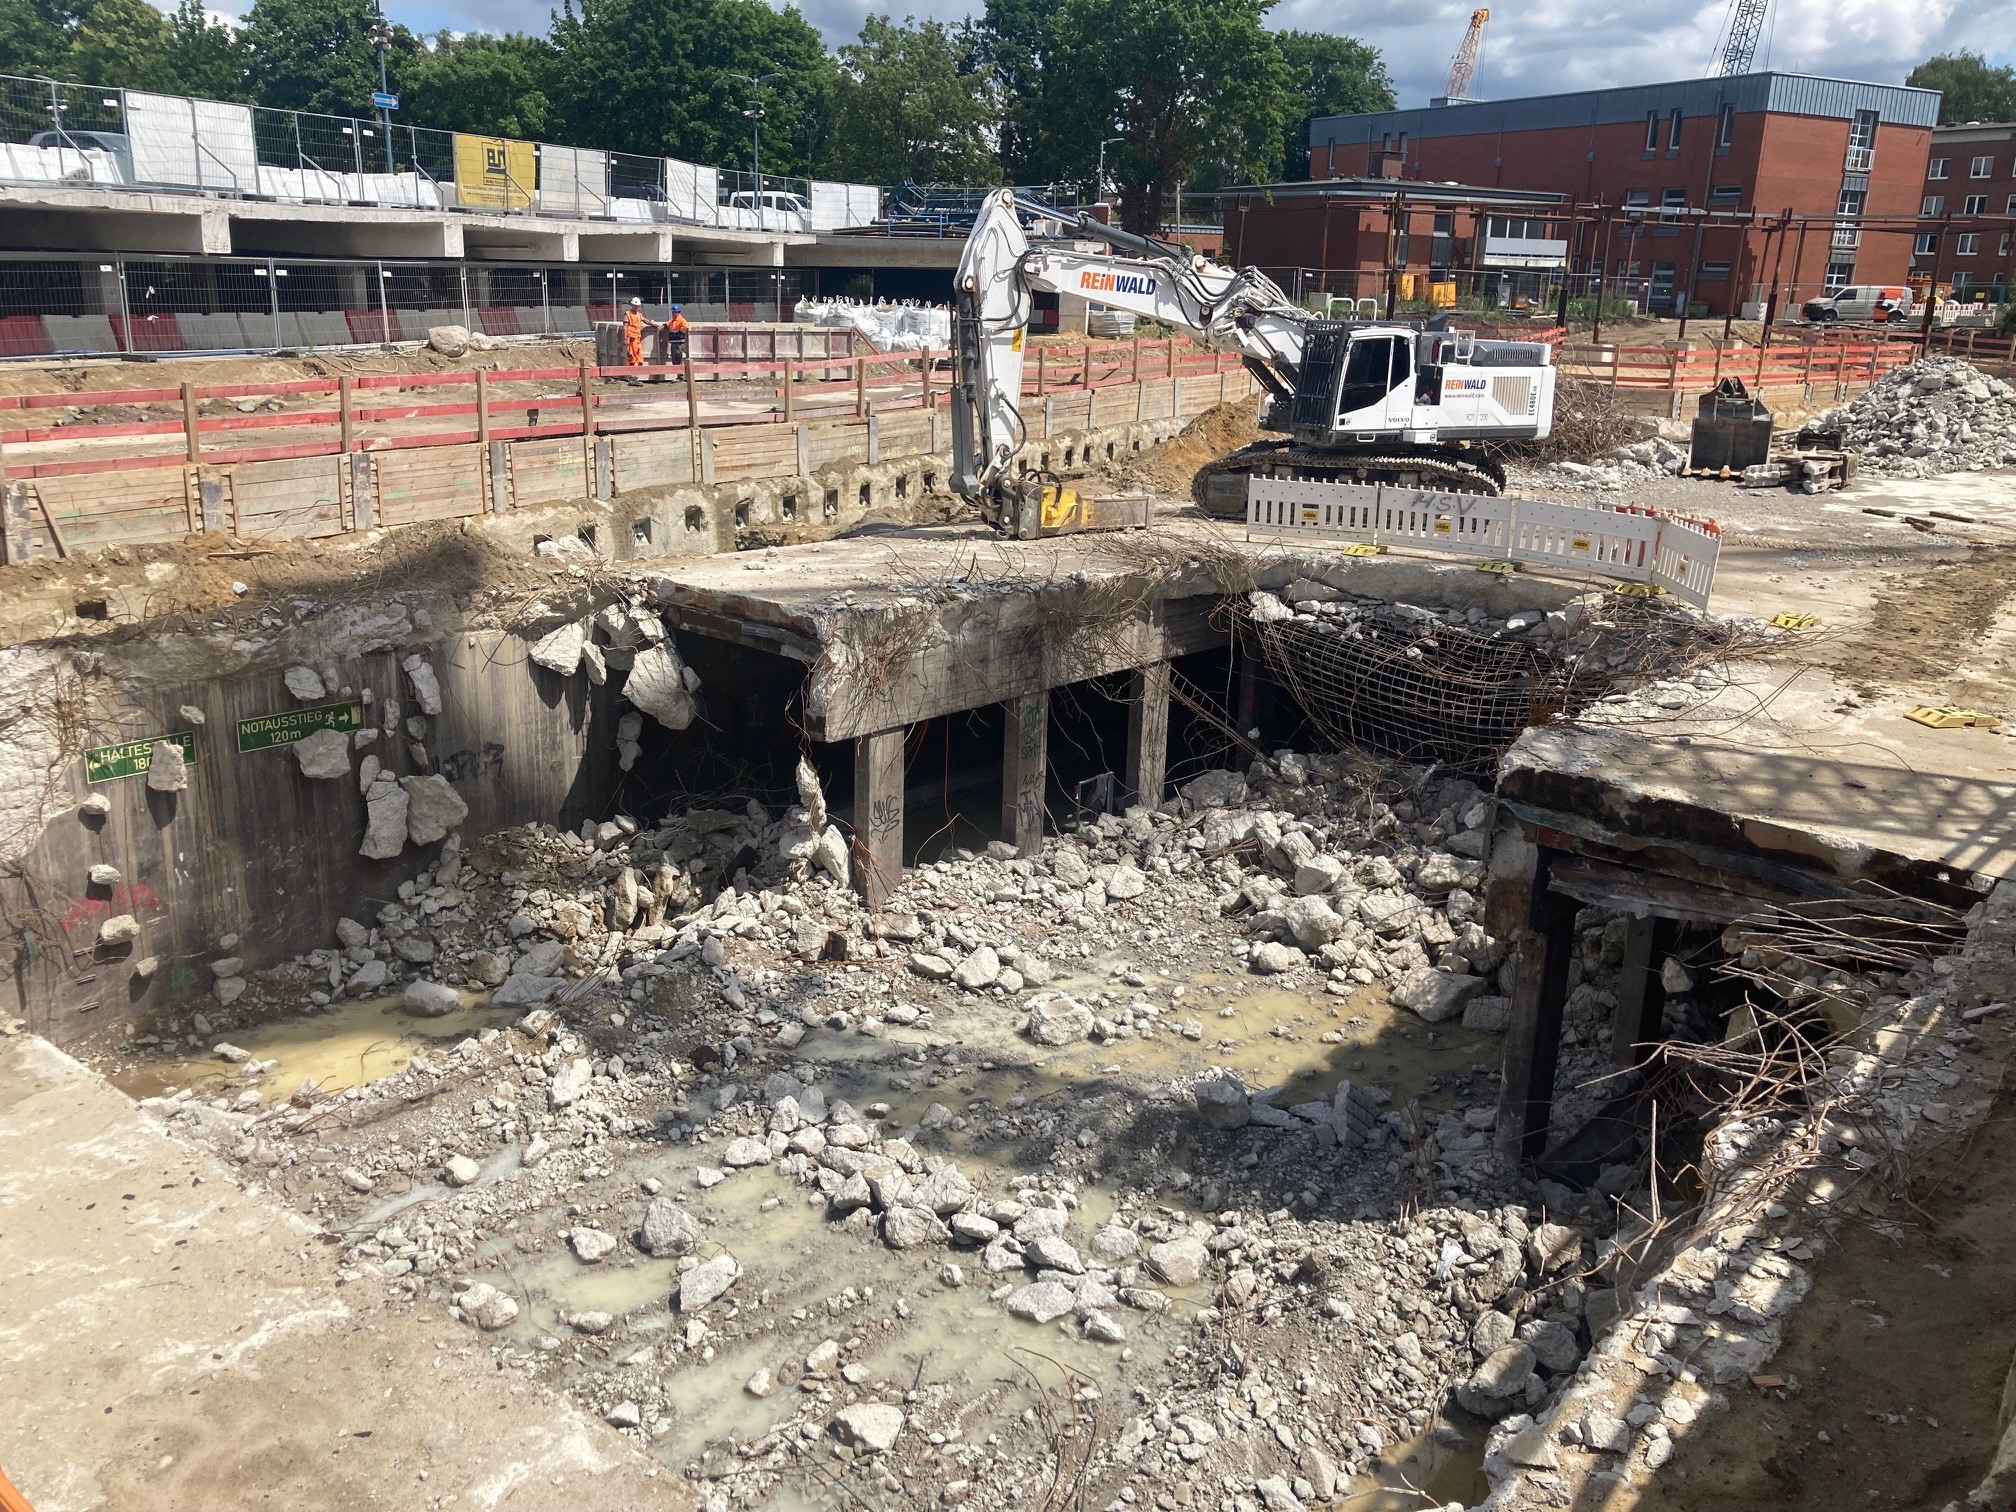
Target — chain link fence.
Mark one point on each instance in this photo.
(88, 136)
(116, 304)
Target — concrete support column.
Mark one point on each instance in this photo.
(878, 815)
(1025, 758)
(1255, 709)
(1148, 732)
(1542, 937)
(1641, 993)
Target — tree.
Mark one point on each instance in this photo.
(659, 77)
(1196, 89)
(481, 83)
(1973, 91)
(122, 42)
(1332, 75)
(205, 58)
(1007, 46)
(35, 37)
(902, 108)
(318, 55)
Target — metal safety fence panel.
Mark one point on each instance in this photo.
(1684, 564)
(1629, 545)
(1284, 509)
(1577, 539)
(1471, 524)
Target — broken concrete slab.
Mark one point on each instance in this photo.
(324, 756)
(658, 684)
(433, 808)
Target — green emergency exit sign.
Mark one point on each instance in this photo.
(270, 730)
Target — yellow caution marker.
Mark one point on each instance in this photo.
(1945, 717)
(1503, 569)
(1790, 621)
(1641, 590)
(1364, 549)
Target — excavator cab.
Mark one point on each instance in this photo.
(1356, 385)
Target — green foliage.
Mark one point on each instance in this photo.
(204, 58)
(125, 40)
(1007, 45)
(318, 55)
(35, 37)
(1196, 89)
(658, 76)
(1332, 75)
(1973, 91)
(902, 109)
(480, 83)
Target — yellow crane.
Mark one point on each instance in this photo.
(1464, 65)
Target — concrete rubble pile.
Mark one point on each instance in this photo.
(1938, 415)
(684, 987)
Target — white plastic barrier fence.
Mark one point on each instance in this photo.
(692, 192)
(1632, 545)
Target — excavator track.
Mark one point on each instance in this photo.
(1220, 487)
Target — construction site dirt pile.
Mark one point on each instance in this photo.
(1169, 468)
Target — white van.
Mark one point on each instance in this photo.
(1865, 304)
(779, 212)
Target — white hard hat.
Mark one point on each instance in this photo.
(635, 300)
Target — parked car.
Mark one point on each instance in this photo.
(116, 144)
(1870, 304)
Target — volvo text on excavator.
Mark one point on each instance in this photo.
(1353, 401)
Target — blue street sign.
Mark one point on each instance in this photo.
(384, 101)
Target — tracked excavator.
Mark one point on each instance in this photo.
(1352, 401)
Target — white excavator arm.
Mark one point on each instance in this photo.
(1233, 311)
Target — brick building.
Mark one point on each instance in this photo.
(1701, 162)
(1339, 235)
(1967, 231)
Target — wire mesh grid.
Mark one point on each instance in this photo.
(1395, 681)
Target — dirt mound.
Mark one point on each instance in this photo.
(1168, 468)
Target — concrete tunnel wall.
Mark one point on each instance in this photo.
(256, 849)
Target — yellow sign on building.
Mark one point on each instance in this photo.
(495, 173)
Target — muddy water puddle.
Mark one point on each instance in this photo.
(1271, 1036)
(1440, 1467)
(352, 1044)
(815, 1282)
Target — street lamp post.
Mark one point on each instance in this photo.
(1100, 187)
(755, 114)
(381, 38)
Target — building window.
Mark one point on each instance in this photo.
(1926, 244)
(2003, 249)
(1725, 197)
(2011, 207)
(1671, 201)
(1849, 201)
(1651, 131)
(1967, 244)
(1862, 142)
(1673, 132)
(1932, 204)
(1936, 169)
(1725, 133)
(1636, 199)
(1974, 204)
(1714, 272)
(1839, 276)
(1983, 167)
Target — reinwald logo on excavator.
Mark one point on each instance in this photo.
(1117, 283)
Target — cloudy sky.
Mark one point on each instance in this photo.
(1561, 45)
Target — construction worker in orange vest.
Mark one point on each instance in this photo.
(675, 334)
(633, 334)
